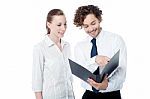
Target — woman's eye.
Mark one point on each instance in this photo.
(59, 25)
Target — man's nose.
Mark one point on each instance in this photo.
(91, 29)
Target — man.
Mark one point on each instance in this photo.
(95, 52)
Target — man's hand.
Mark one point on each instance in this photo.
(99, 86)
(102, 60)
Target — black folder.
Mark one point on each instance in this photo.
(84, 74)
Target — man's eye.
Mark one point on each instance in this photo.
(85, 26)
(93, 23)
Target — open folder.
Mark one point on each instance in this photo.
(84, 74)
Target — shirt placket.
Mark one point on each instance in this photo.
(65, 75)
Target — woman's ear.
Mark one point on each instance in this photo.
(48, 24)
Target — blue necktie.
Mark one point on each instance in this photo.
(94, 53)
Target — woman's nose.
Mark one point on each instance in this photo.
(63, 28)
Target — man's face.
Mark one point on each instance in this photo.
(91, 25)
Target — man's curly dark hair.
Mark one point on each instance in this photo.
(83, 11)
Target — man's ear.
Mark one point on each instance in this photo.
(100, 20)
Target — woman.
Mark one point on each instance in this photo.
(51, 72)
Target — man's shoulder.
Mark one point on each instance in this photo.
(114, 37)
(112, 34)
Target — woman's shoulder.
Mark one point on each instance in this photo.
(39, 45)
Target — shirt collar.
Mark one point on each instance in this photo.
(63, 43)
(50, 43)
(100, 35)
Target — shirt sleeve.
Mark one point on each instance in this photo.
(118, 77)
(37, 70)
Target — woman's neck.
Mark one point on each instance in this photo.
(56, 40)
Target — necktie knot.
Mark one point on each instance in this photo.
(94, 48)
(93, 41)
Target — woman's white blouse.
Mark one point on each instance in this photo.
(51, 70)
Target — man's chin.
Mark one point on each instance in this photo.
(92, 36)
(61, 36)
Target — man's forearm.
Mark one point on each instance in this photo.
(38, 95)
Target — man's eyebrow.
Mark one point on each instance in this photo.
(90, 23)
(93, 21)
(84, 24)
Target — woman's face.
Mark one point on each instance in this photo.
(57, 26)
(91, 25)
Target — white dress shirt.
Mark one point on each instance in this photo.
(51, 71)
(107, 45)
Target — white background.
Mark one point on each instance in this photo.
(22, 25)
